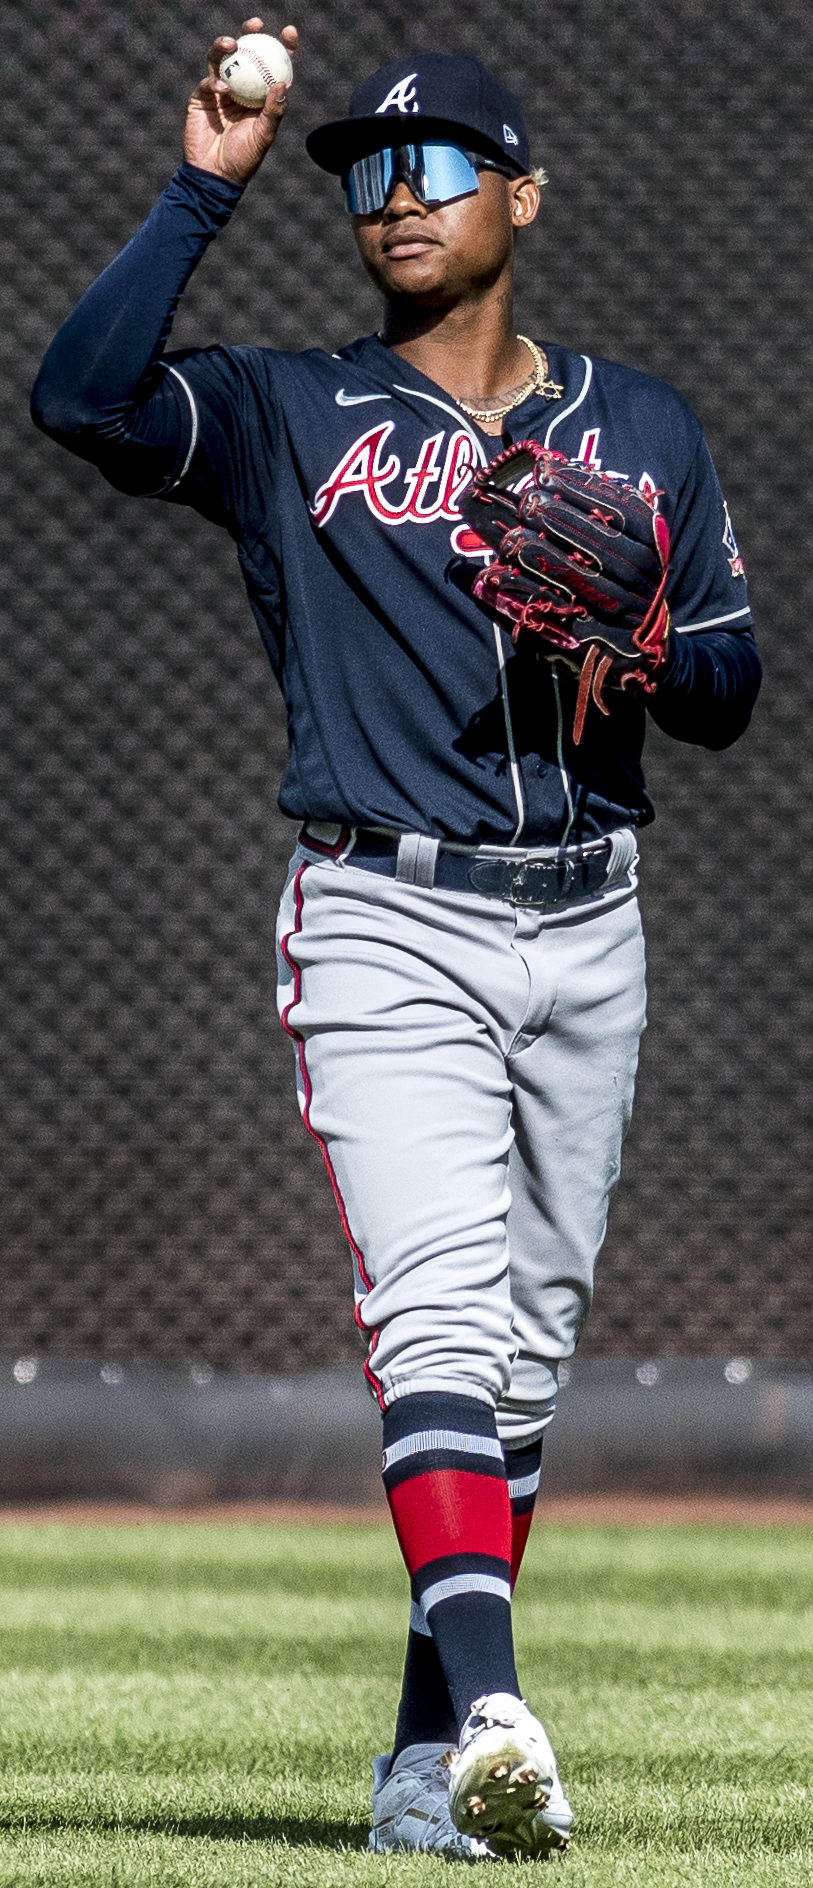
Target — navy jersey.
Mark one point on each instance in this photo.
(338, 477)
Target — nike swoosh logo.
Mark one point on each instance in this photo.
(358, 399)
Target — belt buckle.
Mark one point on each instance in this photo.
(531, 882)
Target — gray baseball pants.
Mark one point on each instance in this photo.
(468, 1068)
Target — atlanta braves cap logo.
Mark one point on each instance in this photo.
(453, 95)
(403, 97)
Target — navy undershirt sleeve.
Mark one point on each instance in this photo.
(707, 693)
(102, 390)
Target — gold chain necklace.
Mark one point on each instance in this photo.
(537, 382)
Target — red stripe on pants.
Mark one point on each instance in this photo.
(448, 1511)
(299, 899)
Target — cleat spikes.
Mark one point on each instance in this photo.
(504, 1784)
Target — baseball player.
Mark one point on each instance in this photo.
(469, 639)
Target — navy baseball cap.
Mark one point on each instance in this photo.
(430, 97)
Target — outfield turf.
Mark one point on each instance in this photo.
(199, 1705)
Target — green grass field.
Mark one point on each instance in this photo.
(199, 1704)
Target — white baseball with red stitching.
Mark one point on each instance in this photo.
(259, 62)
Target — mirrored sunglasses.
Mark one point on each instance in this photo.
(435, 173)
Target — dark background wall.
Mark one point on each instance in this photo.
(158, 1196)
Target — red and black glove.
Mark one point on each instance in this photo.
(582, 562)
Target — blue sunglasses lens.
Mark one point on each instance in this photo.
(370, 182)
(435, 173)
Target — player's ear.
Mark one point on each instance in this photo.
(525, 200)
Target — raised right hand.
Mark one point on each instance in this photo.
(228, 139)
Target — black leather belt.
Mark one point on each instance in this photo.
(557, 879)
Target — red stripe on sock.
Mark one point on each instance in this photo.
(520, 1529)
(449, 1511)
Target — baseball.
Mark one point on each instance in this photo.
(259, 61)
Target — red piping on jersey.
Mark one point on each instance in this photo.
(308, 1092)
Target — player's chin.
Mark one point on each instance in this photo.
(417, 276)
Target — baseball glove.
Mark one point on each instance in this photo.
(582, 562)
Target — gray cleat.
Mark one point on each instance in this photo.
(411, 1806)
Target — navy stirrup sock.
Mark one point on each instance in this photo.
(444, 1475)
(426, 1714)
